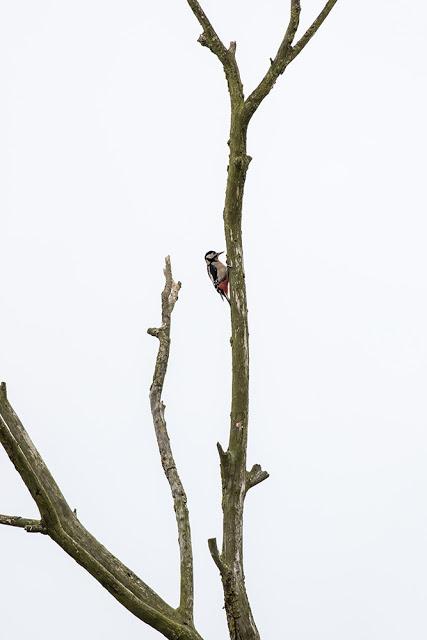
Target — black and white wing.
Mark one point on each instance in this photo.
(213, 273)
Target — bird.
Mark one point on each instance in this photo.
(218, 273)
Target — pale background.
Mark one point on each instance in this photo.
(113, 129)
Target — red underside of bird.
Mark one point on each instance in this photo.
(223, 286)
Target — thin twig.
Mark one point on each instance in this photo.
(169, 298)
(30, 525)
(277, 65)
(312, 30)
(285, 54)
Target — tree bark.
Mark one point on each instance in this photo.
(240, 620)
(59, 522)
(236, 480)
(169, 298)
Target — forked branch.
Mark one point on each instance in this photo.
(285, 54)
(277, 65)
(169, 298)
(305, 39)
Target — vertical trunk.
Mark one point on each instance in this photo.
(233, 462)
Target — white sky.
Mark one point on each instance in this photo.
(113, 129)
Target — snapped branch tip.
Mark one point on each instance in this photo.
(213, 548)
(221, 451)
(202, 39)
(255, 476)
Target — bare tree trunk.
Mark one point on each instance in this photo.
(233, 461)
(236, 480)
(59, 522)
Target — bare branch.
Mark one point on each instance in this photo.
(312, 30)
(210, 39)
(278, 65)
(285, 54)
(30, 525)
(214, 551)
(169, 298)
(29, 464)
(255, 476)
(62, 525)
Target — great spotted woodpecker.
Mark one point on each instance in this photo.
(218, 273)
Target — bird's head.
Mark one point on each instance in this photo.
(211, 256)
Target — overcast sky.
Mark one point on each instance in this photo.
(113, 130)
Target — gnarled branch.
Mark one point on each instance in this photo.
(60, 523)
(169, 298)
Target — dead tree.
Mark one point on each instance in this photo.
(59, 522)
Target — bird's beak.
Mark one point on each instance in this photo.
(218, 254)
